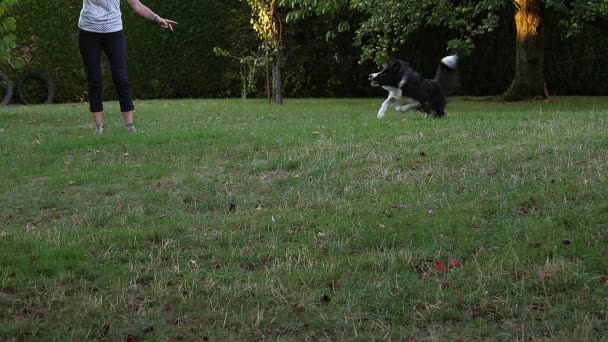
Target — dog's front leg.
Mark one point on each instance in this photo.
(384, 107)
(411, 106)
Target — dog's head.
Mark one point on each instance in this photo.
(390, 76)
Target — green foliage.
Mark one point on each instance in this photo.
(8, 41)
(249, 68)
(263, 19)
(267, 22)
(391, 24)
(575, 14)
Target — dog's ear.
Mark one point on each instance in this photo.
(389, 63)
(393, 65)
(403, 81)
(403, 64)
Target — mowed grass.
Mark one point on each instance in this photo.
(236, 220)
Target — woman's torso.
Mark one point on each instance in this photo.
(101, 16)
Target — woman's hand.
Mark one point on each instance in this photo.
(164, 23)
(147, 13)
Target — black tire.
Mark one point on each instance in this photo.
(50, 87)
(8, 92)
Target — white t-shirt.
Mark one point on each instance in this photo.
(101, 16)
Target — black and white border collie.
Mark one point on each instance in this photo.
(410, 91)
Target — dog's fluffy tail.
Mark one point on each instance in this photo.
(447, 76)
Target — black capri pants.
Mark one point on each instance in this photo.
(114, 45)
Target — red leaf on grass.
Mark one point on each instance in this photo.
(335, 286)
(440, 266)
(604, 279)
(476, 312)
(133, 308)
(523, 210)
(454, 263)
(546, 276)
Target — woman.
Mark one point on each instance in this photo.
(101, 29)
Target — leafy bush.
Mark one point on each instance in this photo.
(7, 35)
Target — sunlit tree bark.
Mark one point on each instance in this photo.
(529, 81)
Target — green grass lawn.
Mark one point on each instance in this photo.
(236, 220)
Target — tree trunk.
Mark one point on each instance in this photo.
(277, 82)
(529, 81)
(268, 90)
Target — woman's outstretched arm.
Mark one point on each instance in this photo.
(147, 13)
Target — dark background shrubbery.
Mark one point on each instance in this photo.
(182, 64)
(161, 64)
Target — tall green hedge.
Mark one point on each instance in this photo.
(182, 63)
(161, 64)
